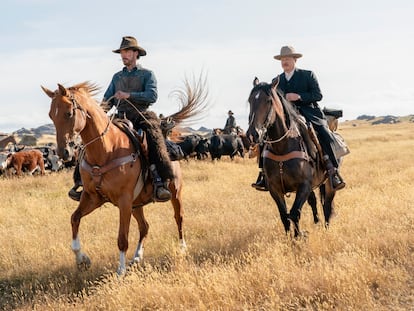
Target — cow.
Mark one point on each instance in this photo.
(51, 159)
(29, 160)
(193, 145)
(225, 144)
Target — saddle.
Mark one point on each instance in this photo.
(340, 147)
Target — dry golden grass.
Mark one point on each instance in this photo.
(238, 256)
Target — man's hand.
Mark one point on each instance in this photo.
(292, 97)
(121, 95)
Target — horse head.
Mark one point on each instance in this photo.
(68, 117)
(265, 107)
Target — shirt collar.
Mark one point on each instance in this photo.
(138, 66)
(288, 75)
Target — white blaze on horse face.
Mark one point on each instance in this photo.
(56, 111)
(257, 95)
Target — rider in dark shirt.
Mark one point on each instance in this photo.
(301, 87)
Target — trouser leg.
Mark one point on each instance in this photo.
(260, 183)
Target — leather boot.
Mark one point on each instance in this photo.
(260, 183)
(335, 179)
(161, 192)
(74, 194)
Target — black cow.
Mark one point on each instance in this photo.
(194, 145)
(225, 144)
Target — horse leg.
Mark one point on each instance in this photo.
(313, 204)
(281, 205)
(143, 227)
(302, 195)
(85, 207)
(328, 202)
(179, 215)
(125, 211)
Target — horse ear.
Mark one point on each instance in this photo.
(255, 81)
(275, 82)
(62, 90)
(48, 92)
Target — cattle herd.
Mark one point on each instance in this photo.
(17, 159)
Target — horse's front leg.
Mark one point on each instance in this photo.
(302, 194)
(85, 207)
(313, 203)
(281, 205)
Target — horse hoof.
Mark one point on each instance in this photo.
(84, 263)
(135, 261)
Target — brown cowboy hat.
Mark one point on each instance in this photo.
(287, 51)
(129, 42)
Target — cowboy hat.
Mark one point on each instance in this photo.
(287, 51)
(129, 42)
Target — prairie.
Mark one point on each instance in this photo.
(238, 256)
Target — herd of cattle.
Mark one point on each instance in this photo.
(17, 160)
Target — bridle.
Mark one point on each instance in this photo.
(292, 130)
(75, 106)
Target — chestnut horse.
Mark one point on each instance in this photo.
(116, 171)
(291, 160)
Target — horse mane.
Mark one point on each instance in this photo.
(90, 88)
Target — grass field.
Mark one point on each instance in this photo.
(238, 257)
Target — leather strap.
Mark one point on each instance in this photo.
(97, 170)
(285, 157)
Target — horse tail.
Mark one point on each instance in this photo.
(194, 101)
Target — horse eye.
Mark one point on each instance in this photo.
(69, 114)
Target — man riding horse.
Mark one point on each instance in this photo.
(131, 91)
(301, 88)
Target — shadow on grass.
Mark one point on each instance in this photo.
(29, 289)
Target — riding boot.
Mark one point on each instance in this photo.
(73, 193)
(260, 183)
(335, 179)
(161, 191)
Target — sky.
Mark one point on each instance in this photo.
(362, 52)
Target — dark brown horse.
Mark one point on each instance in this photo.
(112, 169)
(291, 160)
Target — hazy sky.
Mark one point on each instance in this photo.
(361, 51)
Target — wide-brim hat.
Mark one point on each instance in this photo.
(287, 51)
(129, 42)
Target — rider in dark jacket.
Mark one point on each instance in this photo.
(301, 87)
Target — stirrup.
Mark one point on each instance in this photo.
(336, 180)
(161, 193)
(75, 195)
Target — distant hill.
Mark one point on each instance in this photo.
(49, 129)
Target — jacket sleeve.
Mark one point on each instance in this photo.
(150, 94)
(312, 92)
(110, 91)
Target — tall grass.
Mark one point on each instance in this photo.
(238, 257)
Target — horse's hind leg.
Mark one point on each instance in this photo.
(328, 203)
(143, 227)
(312, 202)
(179, 216)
